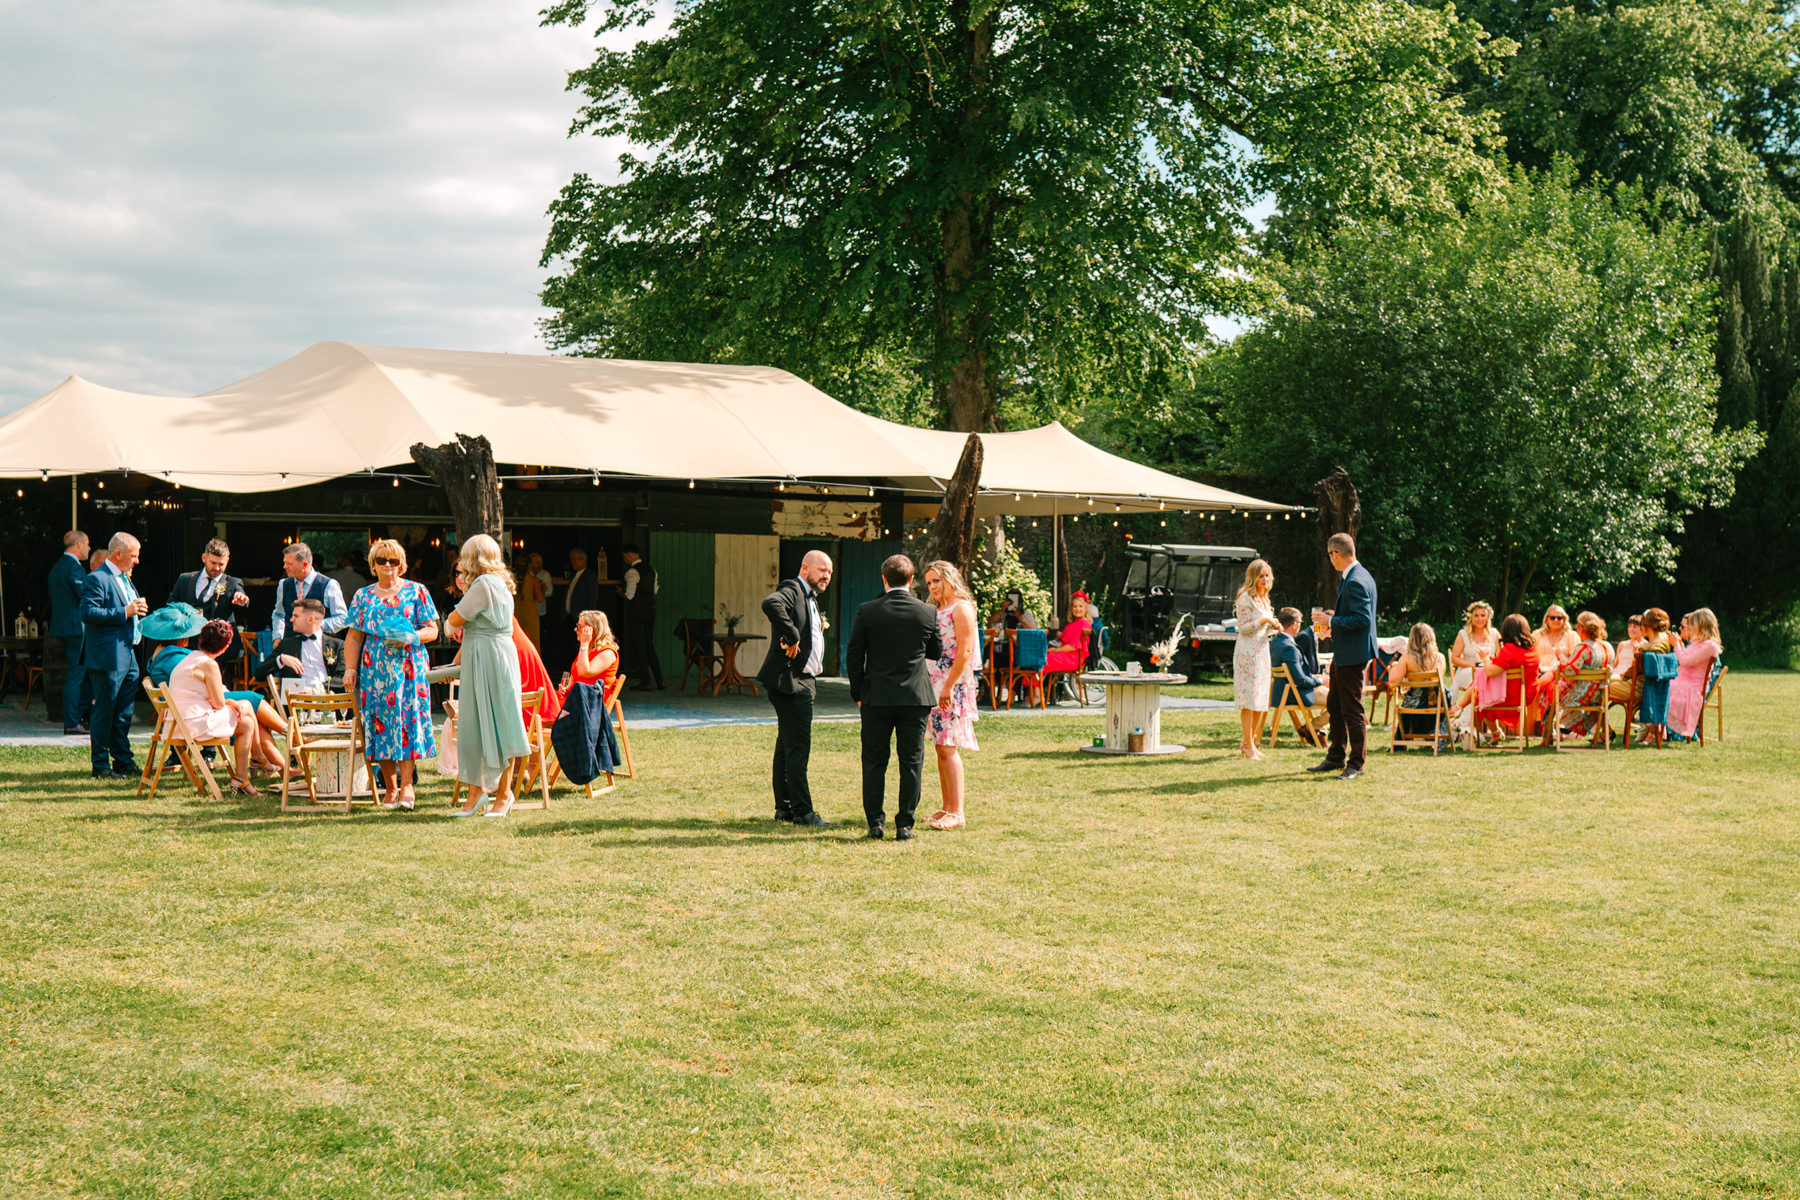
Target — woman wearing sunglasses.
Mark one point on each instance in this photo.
(391, 620)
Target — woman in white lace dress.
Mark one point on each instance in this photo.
(1250, 669)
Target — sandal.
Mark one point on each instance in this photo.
(946, 820)
(243, 787)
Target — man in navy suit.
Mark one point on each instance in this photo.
(1285, 650)
(894, 638)
(66, 578)
(110, 611)
(1353, 645)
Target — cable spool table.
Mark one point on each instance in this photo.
(1133, 702)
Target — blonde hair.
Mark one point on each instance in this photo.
(480, 555)
(1592, 624)
(1706, 626)
(383, 546)
(1480, 606)
(596, 620)
(1251, 572)
(952, 578)
(1421, 643)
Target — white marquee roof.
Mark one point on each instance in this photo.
(335, 409)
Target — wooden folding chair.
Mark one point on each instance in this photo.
(1375, 687)
(1715, 700)
(180, 739)
(1294, 705)
(1631, 705)
(533, 769)
(159, 747)
(1522, 712)
(1557, 709)
(1438, 709)
(616, 714)
(320, 725)
(1031, 650)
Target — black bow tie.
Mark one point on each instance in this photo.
(306, 637)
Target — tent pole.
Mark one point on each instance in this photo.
(74, 516)
(1055, 549)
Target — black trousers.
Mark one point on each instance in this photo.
(109, 729)
(1349, 720)
(641, 662)
(904, 727)
(793, 751)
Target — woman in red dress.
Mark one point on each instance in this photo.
(534, 677)
(1498, 707)
(596, 655)
(1070, 651)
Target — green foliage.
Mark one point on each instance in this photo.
(986, 211)
(992, 578)
(1693, 101)
(1525, 396)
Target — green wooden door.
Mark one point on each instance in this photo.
(684, 568)
(858, 580)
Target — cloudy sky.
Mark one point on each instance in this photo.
(191, 190)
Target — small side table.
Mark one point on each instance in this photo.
(729, 677)
(1133, 702)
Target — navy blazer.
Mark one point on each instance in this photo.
(790, 620)
(108, 631)
(66, 578)
(1284, 651)
(1307, 642)
(895, 638)
(1353, 624)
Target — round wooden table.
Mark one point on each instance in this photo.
(729, 677)
(1133, 702)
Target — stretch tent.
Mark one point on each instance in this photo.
(335, 410)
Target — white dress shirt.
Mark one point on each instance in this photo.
(815, 660)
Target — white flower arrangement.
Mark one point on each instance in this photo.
(1162, 654)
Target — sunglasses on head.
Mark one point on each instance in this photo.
(387, 562)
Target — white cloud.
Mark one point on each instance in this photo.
(194, 189)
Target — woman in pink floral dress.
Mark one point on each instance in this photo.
(953, 678)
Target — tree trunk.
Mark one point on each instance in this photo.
(964, 375)
(1339, 512)
(953, 533)
(1516, 604)
(465, 470)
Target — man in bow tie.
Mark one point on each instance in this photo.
(301, 654)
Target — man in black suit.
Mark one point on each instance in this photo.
(895, 637)
(218, 596)
(581, 595)
(796, 656)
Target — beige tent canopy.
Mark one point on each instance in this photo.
(335, 409)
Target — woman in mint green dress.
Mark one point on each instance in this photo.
(490, 733)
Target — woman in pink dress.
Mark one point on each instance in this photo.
(197, 691)
(953, 675)
(1069, 653)
(1687, 691)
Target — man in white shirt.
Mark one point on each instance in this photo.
(301, 654)
(304, 583)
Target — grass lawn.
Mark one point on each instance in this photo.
(1487, 976)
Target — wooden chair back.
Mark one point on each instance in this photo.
(1568, 685)
(534, 767)
(1436, 706)
(1376, 688)
(1714, 700)
(1030, 651)
(616, 713)
(1294, 706)
(1520, 712)
(177, 736)
(319, 725)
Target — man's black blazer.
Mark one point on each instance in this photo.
(272, 666)
(789, 621)
(218, 606)
(586, 594)
(895, 640)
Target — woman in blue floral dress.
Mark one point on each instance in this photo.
(384, 643)
(953, 675)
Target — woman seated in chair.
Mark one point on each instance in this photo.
(1592, 653)
(1556, 641)
(1656, 640)
(1069, 651)
(596, 655)
(1497, 703)
(1687, 691)
(1012, 614)
(1419, 657)
(197, 691)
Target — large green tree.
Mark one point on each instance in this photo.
(967, 210)
(1525, 397)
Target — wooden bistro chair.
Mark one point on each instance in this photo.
(319, 725)
(1714, 700)
(1031, 650)
(1521, 714)
(1436, 707)
(1559, 709)
(1296, 709)
(178, 737)
(702, 652)
(1375, 688)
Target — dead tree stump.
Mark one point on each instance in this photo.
(1339, 512)
(465, 470)
(953, 532)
